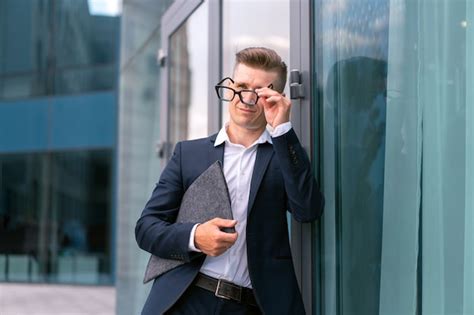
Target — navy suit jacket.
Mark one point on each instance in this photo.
(282, 180)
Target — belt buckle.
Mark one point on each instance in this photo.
(218, 294)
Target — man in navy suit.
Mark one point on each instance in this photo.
(249, 271)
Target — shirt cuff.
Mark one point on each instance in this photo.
(191, 245)
(279, 130)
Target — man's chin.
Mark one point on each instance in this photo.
(252, 127)
(249, 125)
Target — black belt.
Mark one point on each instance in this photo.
(225, 289)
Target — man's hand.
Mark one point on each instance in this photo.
(211, 240)
(275, 105)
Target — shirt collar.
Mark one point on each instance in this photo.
(222, 137)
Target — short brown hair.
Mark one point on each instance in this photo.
(264, 59)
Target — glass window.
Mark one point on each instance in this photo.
(393, 78)
(188, 78)
(351, 54)
(86, 47)
(60, 47)
(83, 38)
(55, 217)
(138, 164)
(23, 53)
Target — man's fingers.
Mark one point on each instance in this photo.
(211, 240)
(273, 99)
(265, 92)
(225, 242)
(228, 238)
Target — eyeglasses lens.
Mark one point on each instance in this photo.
(225, 94)
(249, 97)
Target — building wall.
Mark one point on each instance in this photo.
(57, 139)
(138, 163)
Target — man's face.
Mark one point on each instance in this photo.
(248, 116)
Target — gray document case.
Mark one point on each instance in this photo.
(206, 198)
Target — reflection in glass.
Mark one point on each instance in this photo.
(188, 84)
(55, 37)
(76, 80)
(396, 78)
(55, 217)
(23, 53)
(81, 38)
(356, 89)
(351, 69)
(138, 166)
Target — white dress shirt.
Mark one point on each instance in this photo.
(239, 163)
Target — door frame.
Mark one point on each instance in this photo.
(172, 19)
(305, 238)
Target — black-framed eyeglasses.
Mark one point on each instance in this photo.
(227, 94)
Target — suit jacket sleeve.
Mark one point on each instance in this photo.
(156, 231)
(305, 200)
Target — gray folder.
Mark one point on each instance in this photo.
(206, 198)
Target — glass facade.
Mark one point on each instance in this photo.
(58, 124)
(59, 47)
(393, 80)
(188, 81)
(55, 217)
(139, 133)
(351, 69)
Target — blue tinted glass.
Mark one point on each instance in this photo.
(395, 80)
(83, 38)
(23, 43)
(55, 217)
(91, 78)
(351, 70)
(59, 47)
(23, 53)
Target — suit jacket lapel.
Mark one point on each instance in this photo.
(264, 154)
(215, 153)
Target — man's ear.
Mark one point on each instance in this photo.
(283, 94)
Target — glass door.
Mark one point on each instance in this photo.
(394, 80)
(185, 57)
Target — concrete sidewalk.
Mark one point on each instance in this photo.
(46, 299)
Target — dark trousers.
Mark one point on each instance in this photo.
(198, 301)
